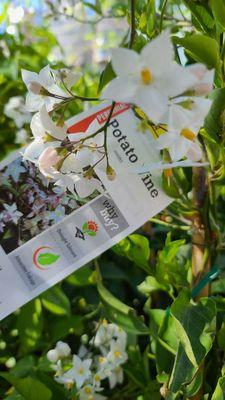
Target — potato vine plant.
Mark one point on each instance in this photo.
(147, 319)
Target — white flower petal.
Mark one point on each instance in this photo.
(33, 102)
(34, 150)
(71, 165)
(36, 126)
(175, 80)
(46, 77)
(158, 54)
(152, 102)
(194, 152)
(125, 61)
(29, 76)
(179, 148)
(121, 89)
(58, 132)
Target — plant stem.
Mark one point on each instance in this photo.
(200, 240)
(133, 30)
(200, 237)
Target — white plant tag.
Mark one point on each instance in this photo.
(46, 234)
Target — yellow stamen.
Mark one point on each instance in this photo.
(102, 360)
(188, 134)
(117, 353)
(69, 386)
(105, 322)
(81, 371)
(87, 390)
(97, 378)
(168, 172)
(146, 76)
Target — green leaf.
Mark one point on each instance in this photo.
(202, 14)
(61, 327)
(120, 313)
(136, 248)
(29, 388)
(30, 325)
(84, 276)
(85, 226)
(218, 9)
(172, 263)
(195, 328)
(47, 258)
(201, 48)
(95, 7)
(91, 233)
(55, 301)
(214, 121)
(166, 344)
(150, 285)
(23, 367)
(219, 393)
(107, 75)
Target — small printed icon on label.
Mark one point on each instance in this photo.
(44, 257)
(89, 228)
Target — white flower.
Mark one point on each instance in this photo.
(148, 79)
(21, 136)
(42, 124)
(15, 109)
(88, 392)
(48, 125)
(117, 354)
(80, 371)
(66, 76)
(183, 127)
(11, 213)
(85, 186)
(47, 161)
(63, 349)
(115, 377)
(89, 149)
(104, 333)
(35, 82)
(67, 182)
(205, 77)
(53, 355)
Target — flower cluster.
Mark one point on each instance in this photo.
(64, 161)
(85, 371)
(170, 97)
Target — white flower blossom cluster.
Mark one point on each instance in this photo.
(169, 95)
(86, 370)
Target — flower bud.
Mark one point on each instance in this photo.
(11, 362)
(63, 349)
(35, 87)
(110, 172)
(53, 355)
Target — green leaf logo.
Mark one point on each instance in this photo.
(85, 226)
(91, 233)
(47, 258)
